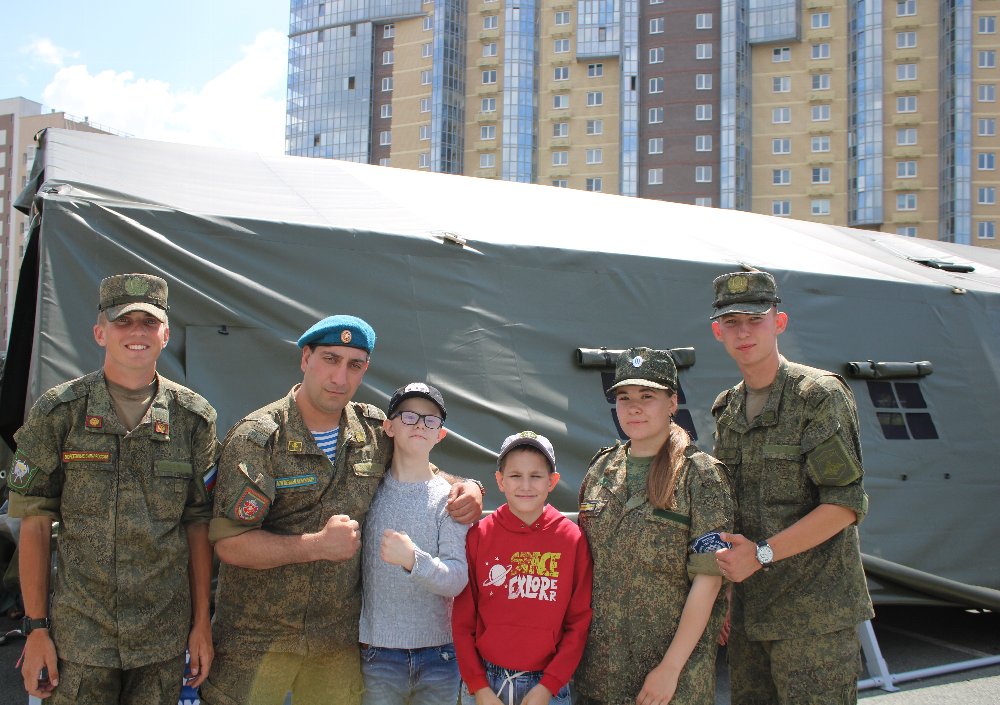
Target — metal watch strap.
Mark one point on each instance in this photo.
(480, 485)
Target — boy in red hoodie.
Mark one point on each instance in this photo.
(521, 623)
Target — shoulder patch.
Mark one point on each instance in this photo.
(372, 412)
(63, 393)
(196, 403)
(604, 451)
(261, 430)
(721, 401)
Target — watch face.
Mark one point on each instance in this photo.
(764, 554)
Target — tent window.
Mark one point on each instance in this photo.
(893, 426)
(897, 425)
(921, 426)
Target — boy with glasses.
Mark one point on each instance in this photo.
(413, 564)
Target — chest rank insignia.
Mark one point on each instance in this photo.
(359, 437)
(588, 506)
(161, 427)
(249, 504)
(95, 422)
(294, 446)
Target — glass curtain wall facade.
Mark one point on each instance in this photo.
(955, 122)
(864, 136)
(448, 87)
(734, 106)
(629, 116)
(520, 91)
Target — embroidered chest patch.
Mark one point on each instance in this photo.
(295, 481)
(85, 456)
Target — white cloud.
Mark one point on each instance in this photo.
(241, 108)
(46, 52)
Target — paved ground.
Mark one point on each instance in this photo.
(911, 638)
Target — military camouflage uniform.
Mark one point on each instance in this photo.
(273, 476)
(122, 597)
(642, 575)
(801, 451)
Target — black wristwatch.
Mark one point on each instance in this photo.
(29, 625)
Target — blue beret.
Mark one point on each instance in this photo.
(340, 330)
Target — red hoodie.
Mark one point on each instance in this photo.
(527, 604)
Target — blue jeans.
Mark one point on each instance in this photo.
(427, 676)
(511, 686)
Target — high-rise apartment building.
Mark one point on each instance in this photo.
(877, 114)
(20, 121)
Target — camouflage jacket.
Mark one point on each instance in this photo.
(642, 574)
(801, 451)
(273, 476)
(122, 597)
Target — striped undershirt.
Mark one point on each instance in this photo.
(327, 442)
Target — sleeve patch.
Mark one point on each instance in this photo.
(832, 464)
(22, 473)
(249, 505)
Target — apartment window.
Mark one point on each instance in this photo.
(488, 105)
(488, 132)
(906, 40)
(560, 129)
(906, 170)
(425, 105)
(987, 93)
(562, 17)
(425, 77)
(385, 138)
(656, 85)
(986, 229)
(491, 21)
(560, 73)
(820, 206)
(781, 208)
(703, 174)
(705, 201)
(821, 175)
(986, 161)
(560, 101)
(988, 59)
(595, 184)
(820, 143)
(656, 55)
(489, 76)
(986, 195)
(780, 115)
(821, 51)
(781, 177)
(655, 115)
(560, 183)
(490, 49)
(655, 145)
(821, 81)
(654, 177)
(906, 201)
(703, 51)
(703, 20)
(387, 84)
(387, 58)
(906, 136)
(988, 24)
(560, 158)
(595, 98)
(906, 8)
(487, 160)
(703, 82)
(906, 104)
(656, 25)
(426, 50)
(781, 84)
(388, 31)
(703, 111)
(385, 110)
(906, 72)
(595, 156)
(907, 230)
(595, 127)
(602, 34)
(819, 20)
(655, 2)
(781, 54)
(425, 132)
(562, 46)
(383, 161)
(595, 70)
(428, 23)
(703, 143)
(781, 145)
(987, 127)
(820, 113)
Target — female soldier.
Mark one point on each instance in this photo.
(648, 508)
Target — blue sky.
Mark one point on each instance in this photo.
(203, 72)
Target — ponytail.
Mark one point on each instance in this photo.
(662, 480)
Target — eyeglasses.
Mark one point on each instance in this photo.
(410, 418)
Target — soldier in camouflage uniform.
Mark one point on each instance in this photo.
(657, 602)
(789, 435)
(123, 459)
(286, 527)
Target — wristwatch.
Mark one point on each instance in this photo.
(29, 625)
(765, 554)
(480, 485)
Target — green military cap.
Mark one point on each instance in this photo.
(645, 367)
(744, 292)
(124, 293)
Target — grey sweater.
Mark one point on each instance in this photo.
(410, 610)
